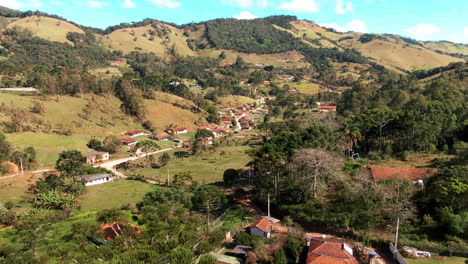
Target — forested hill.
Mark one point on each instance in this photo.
(227, 38)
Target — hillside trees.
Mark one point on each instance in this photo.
(70, 163)
(132, 99)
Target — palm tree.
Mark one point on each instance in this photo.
(353, 134)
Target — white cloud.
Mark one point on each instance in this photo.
(422, 31)
(310, 6)
(56, 3)
(460, 38)
(245, 15)
(239, 3)
(262, 3)
(355, 25)
(165, 3)
(129, 4)
(93, 4)
(20, 4)
(343, 7)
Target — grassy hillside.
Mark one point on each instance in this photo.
(448, 47)
(48, 28)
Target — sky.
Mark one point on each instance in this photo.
(418, 19)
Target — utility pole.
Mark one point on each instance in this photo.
(268, 205)
(21, 163)
(396, 237)
(168, 181)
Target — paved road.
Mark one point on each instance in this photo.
(110, 165)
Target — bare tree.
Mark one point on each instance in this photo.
(313, 168)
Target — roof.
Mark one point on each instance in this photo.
(180, 129)
(385, 173)
(224, 259)
(263, 224)
(95, 177)
(328, 251)
(133, 132)
(109, 233)
(127, 140)
(327, 107)
(23, 89)
(241, 250)
(162, 136)
(203, 128)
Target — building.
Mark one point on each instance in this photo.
(97, 157)
(162, 137)
(135, 133)
(247, 128)
(19, 90)
(323, 250)
(417, 175)
(96, 179)
(262, 227)
(111, 231)
(327, 108)
(187, 145)
(180, 130)
(128, 141)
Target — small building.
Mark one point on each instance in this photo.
(323, 250)
(262, 227)
(180, 130)
(187, 145)
(128, 141)
(161, 137)
(241, 250)
(203, 128)
(111, 231)
(97, 157)
(19, 90)
(416, 175)
(96, 179)
(135, 133)
(327, 108)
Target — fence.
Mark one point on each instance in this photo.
(396, 254)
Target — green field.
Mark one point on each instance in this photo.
(114, 194)
(306, 88)
(206, 167)
(446, 260)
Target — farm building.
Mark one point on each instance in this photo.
(128, 141)
(135, 133)
(416, 175)
(180, 130)
(19, 90)
(262, 227)
(323, 250)
(161, 137)
(96, 179)
(327, 108)
(97, 157)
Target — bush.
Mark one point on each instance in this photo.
(244, 238)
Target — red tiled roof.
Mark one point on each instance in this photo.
(180, 129)
(263, 224)
(327, 107)
(384, 173)
(133, 132)
(328, 251)
(161, 136)
(127, 140)
(109, 233)
(203, 128)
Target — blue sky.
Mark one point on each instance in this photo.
(419, 19)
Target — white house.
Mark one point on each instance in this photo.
(97, 157)
(96, 179)
(261, 228)
(180, 130)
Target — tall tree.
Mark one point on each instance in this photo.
(207, 198)
(70, 163)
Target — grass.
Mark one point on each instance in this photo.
(114, 194)
(413, 160)
(164, 114)
(16, 189)
(235, 100)
(49, 146)
(205, 168)
(306, 87)
(47, 28)
(444, 260)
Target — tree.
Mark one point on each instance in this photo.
(164, 159)
(94, 144)
(5, 147)
(148, 146)
(280, 257)
(70, 163)
(38, 108)
(181, 255)
(230, 176)
(207, 259)
(316, 166)
(111, 144)
(207, 198)
(204, 133)
(180, 179)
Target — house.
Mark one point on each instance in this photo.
(203, 128)
(180, 130)
(247, 128)
(19, 90)
(262, 227)
(208, 140)
(96, 179)
(111, 231)
(162, 137)
(187, 145)
(327, 108)
(128, 141)
(96, 157)
(323, 250)
(223, 130)
(416, 175)
(135, 133)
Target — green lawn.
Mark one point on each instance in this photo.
(305, 87)
(114, 194)
(206, 167)
(447, 260)
(48, 146)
